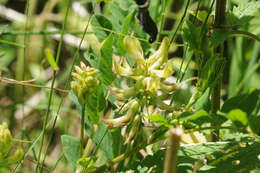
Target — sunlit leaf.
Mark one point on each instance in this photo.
(237, 115)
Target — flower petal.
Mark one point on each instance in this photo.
(122, 94)
(121, 70)
(167, 71)
(133, 47)
(160, 56)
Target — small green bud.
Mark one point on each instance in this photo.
(5, 140)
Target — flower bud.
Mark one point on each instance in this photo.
(5, 140)
(85, 81)
(134, 129)
(133, 108)
(83, 66)
(78, 70)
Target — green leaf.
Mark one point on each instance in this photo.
(220, 157)
(105, 61)
(254, 122)
(95, 104)
(246, 9)
(203, 102)
(232, 20)
(92, 58)
(7, 55)
(246, 102)
(236, 115)
(243, 13)
(128, 20)
(218, 36)
(51, 59)
(247, 157)
(103, 139)
(118, 14)
(211, 72)
(70, 147)
(197, 117)
(74, 98)
(191, 35)
(118, 141)
(101, 26)
(159, 119)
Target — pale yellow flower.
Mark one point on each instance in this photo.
(149, 74)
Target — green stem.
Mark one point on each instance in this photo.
(215, 95)
(43, 33)
(181, 21)
(81, 146)
(45, 121)
(52, 86)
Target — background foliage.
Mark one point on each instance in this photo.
(41, 42)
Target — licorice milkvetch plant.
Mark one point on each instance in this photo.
(84, 83)
(148, 77)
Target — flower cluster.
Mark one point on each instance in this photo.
(149, 74)
(143, 81)
(5, 147)
(85, 81)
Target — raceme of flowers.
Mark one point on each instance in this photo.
(149, 77)
(149, 74)
(85, 81)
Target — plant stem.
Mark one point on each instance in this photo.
(170, 162)
(52, 86)
(215, 95)
(180, 23)
(43, 33)
(220, 14)
(81, 145)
